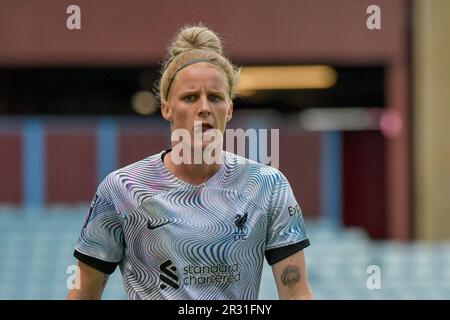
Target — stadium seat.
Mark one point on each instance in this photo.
(37, 249)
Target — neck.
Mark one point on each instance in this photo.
(191, 173)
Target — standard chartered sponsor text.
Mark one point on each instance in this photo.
(218, 273)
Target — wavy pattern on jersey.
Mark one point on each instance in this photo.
(107, 230)
(160, 243)
(197, 222)
(137, 182)
(191, 225)
(139, 239)
(145, 276)
(253, 179)
(270, 189)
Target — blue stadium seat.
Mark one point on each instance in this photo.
(37, 247)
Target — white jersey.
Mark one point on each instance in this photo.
(174, 240)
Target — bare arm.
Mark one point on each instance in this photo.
(91, 286)
(291, 278)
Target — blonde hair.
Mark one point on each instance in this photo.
(195, 44)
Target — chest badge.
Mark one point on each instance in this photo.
(241, 229)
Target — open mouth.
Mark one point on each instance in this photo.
(202, 127)
(206, 127)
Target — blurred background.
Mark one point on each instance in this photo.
(363, 117)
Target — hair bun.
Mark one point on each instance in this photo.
(194, 42)
(195, 37)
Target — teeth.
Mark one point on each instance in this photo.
(198, 129)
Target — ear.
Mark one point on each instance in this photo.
(230, 112)
(166, 111)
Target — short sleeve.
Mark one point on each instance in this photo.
(286, 232)
(100, 244)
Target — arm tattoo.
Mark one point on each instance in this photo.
(290, 276)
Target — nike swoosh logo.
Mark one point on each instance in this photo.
(150, 227)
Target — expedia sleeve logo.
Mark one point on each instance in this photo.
(168, 276)
(295, 209)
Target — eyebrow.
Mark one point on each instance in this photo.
(191, 91)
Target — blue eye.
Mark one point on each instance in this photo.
(215, 98)
(189, 98)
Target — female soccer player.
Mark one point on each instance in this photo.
(185, 229)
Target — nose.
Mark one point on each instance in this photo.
(204, 109)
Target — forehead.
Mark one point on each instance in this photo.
(199, 75)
